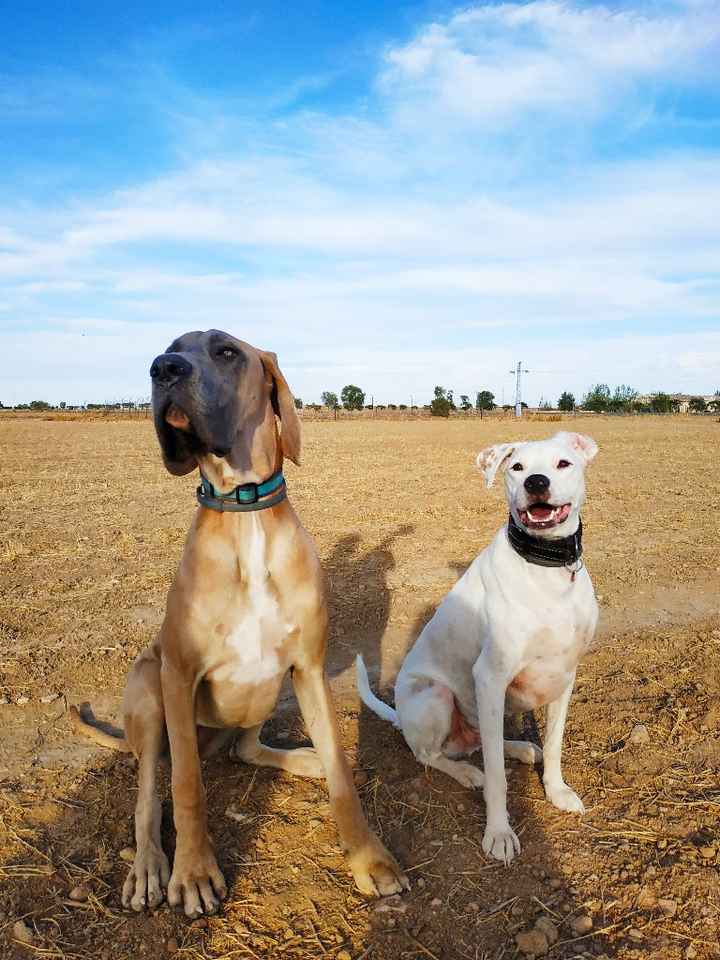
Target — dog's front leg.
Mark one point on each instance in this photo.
(556, 790)
(196, 881)
(373, 867)
(499, 840)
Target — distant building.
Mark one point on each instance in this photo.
(682, 399)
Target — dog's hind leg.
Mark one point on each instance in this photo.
(300, 761)
(426, 718)
(145, 733)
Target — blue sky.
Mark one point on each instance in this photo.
(393, 195)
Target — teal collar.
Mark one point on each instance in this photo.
(244, 497)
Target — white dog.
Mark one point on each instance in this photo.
(507, 638)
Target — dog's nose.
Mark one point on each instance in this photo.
(537, 483)
(168, 368)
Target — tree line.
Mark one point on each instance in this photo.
(599, 399)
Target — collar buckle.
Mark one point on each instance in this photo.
(246, 493)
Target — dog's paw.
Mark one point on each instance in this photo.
(524, 751)
(375, 870)
(467, 775)
(501, 843)
(147, 880)
(196, 884)
(564, 798)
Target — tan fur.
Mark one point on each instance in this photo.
(247, 604)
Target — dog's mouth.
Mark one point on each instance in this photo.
(543, 516)
(176, 417)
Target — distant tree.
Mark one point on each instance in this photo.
(598, 399)
(392, 406)
(544, 404)
(442, 404)
(329, 400)
(40, 405)
(697, 405)
(352, 397)
(662, 403)
(566, 402)
(298, 403)
(379, 406)
(465, 402)
(402, 406)
(623, 399)
(484, 400)
(714, 405)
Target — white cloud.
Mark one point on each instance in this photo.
(491, 62)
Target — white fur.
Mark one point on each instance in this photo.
(253, 644)
(508, 637)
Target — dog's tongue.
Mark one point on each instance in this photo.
(540, 511)
(177, 417)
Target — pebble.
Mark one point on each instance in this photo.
(21, 701)
(127, 854)
(342, 955)
(473, 906)
(581, 925)
(662, 843)
(691, 952)
(80, 893)
(545, 925)
(635, 934)
(668, 907)
(639, 734)
(436, 902)
(420, 882)
(361, 778)
(555, 883)
(22, 932)
(49, 697)
(646, 898)
(172, 945)
(707, 853)
(532, 942)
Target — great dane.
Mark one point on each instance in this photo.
(507, 638)
(247, 605)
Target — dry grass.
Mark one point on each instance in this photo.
(91, 532)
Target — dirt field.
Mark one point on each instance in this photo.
(91, 530)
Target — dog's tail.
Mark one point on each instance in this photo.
(114, 741)
(368, 697)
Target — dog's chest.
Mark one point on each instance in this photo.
(254, 652)
(552, 654)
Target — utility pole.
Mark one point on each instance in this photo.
(518, 371)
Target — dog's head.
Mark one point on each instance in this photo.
(215, 403)
(544, 480)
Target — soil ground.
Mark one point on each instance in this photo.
(91, 530)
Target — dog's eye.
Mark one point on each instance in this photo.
(563, 463)
(226, 353)
(517, 466)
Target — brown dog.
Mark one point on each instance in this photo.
(246, 606)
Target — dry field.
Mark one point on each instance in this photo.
(90, 531)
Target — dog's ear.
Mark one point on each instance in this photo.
(584, 446)
(492, 458)
(284, 406)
